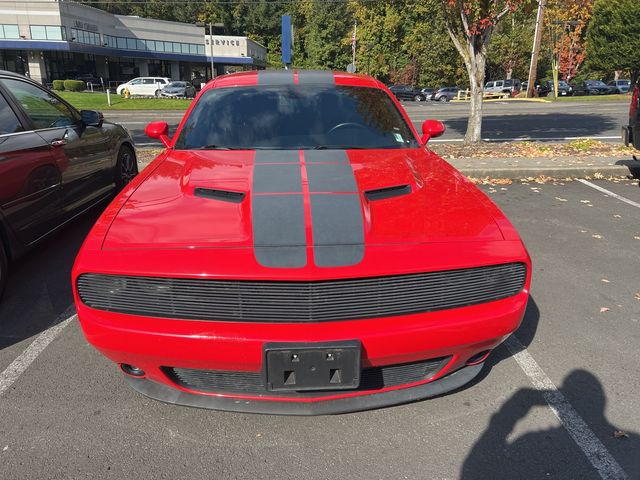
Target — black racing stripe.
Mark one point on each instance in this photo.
(277, 178)
(338, 229)
(277, 156)
(279, 235)
(331, 177)
(325, 156)
(275, 77)
(316, 77)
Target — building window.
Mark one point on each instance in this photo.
(200, 49)
(9, 31)
(48, 32)
(82, 36)
(122, 42)
(193, 49)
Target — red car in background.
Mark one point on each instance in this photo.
(298, 249)
(631, 132)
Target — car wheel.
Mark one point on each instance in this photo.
(443, 98)
(126, 167)
(4, 269)
(158, 92)
(125, 92)
(417, 98)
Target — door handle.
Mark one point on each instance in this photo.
(58, 142)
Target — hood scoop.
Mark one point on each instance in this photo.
(217, 194)
(387, 192)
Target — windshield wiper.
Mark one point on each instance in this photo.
(354, 147)
(213, 147)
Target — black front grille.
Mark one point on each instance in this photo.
(252, 383)
(275, 301)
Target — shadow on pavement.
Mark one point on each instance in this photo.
(549, 453)
(550, 125)
(39, 284)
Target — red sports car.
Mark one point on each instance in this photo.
(298, 249)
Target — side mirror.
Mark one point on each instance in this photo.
(432, 129)
(158, 131)
(92, 118)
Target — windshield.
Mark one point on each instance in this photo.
(595, 83)
(177, 84)
(562, 83)
(295, 117)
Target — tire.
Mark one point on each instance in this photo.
(125, 91)
(126, 167)
(4, 268)
(443, 98)
(157, 94)
(417, 98)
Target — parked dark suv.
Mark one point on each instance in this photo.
(631, 132)
(55, 163)
(407, 92)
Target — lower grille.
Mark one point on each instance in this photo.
(252, 383)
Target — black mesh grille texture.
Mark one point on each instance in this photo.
(265, 301)
(252, 383)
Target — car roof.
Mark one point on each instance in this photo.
(250, 78)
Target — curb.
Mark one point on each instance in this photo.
(556, 172)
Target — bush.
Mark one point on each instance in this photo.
(58, 85)
(74, 85)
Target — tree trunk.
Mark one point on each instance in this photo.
(475, 68)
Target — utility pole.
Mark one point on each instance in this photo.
(537, 39)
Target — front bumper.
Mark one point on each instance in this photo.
(446, 384)
(155, 345)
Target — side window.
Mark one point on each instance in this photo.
(9, 123)
(499, 84)
(161, 80)
(136, 81)
(148, 81)
(44, 110)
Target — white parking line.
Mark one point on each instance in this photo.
(584, 437)
(27, 357)
(611, 194)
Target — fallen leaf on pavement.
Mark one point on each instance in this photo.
(561, 199)
(605, 280)
(596, 236)
(637, 296)
(620, 434)
(585, 201)
(604, 309)
(617, 216)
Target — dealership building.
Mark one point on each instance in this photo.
(51, 40)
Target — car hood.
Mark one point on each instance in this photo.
(226, 199)
(173, 89)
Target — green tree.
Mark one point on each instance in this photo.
(613, 37)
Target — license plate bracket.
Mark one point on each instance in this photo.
(312, 366)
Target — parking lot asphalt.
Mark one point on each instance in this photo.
(508, 120)
(69, 413)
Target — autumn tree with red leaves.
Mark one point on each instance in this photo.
(567, 21)
(470, 24)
